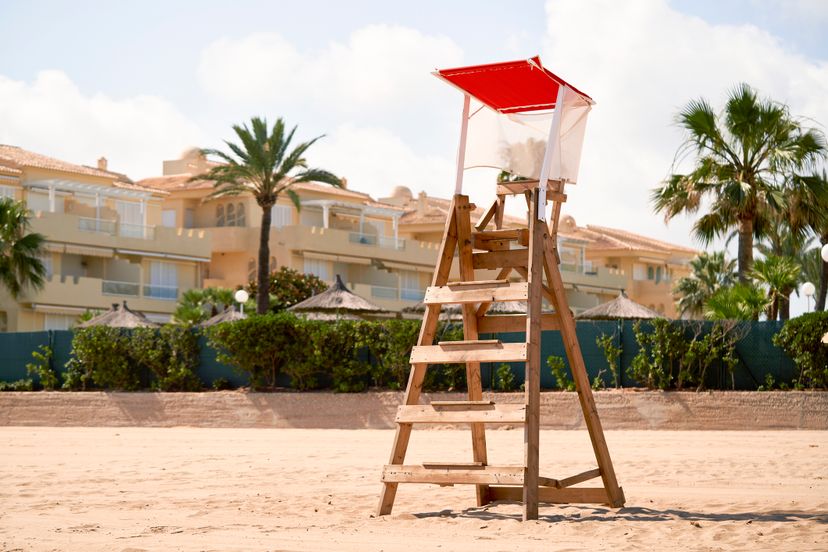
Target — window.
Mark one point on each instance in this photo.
(38, 200)
(639, 272)
(658, 275)
(163, 281)
(650, 273)
(311, 217)
(168, 218)
(410, 286)
(281, 215)
(46, 259)
(7, 191)
(230, 211)
(130, 218)
(58, 322)
(219, 215)
(189, 218)
(240, 215)
(318, 268)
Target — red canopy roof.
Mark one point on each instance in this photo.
(511, 86)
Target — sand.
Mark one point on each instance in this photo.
(137, 488)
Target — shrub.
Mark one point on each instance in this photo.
(19, 385)
(222, 384)
(170, 353)
(612, 352)
(801, 339)
(505, 378)
(258, 346)
(100, 354)
(557, 365)
(42, 368)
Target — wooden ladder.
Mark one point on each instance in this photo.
(532, 253)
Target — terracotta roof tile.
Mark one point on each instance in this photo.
(614, 238)
(18, 157)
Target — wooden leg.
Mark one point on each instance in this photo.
(532, 387)
(475, 385)
(417, 374)
(615, 494)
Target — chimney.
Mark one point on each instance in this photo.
(102, 164)
(422, 203)
(344, 183)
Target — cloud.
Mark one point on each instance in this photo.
(380, 68)
(52, 116)
(375, 161)
(642, 61)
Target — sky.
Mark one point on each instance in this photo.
(141, 82)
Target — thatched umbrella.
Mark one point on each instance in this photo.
(229, 315)
(336, 303)
(620, 307)
(120, 316)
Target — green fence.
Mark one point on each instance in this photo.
(757, 355)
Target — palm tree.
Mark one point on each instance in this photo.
(737, 302)
(20, 264)
(781, 275)
(743, 160)
(265, 165)
(811, 211)
(197, 305)
(710, 272)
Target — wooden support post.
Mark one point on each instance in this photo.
(415, 378)
(615, 494)
(532, 391)
(475, 385)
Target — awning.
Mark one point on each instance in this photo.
(52, 247)
(58, 309)
(336, 258)
(510, 87)
(156, 255)
(411, 267)
(89, 251)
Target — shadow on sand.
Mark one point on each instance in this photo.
(634, 514)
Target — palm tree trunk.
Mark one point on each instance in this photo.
(823, 279)
(785, 305)
(745, 248)
(263, 273)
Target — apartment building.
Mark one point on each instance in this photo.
(107, 241)
(336, 231)
(650, 267)
(587, 284)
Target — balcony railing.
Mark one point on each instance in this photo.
(412, 294)
(112, 228)
(102, 226)
(156, 291)
(381, 241)
(404, 294)
(140, 231)
(110, 287)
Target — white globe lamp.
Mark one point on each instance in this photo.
(808, 289)
(825, 252)
(241, 297)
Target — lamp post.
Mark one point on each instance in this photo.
(242, 296)
(825, 252)
(808, 289)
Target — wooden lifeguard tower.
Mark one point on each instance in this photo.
(515, 99)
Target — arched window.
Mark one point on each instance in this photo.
(231, 214)
(273, 264)
(219, 215)
(240, 215)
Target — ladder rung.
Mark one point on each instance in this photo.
(490, 260)
(470, 343)
(448, 404)
(461, 412)
(452, 465)
(491, 240)
(497, 323)
(470, 351)
(477, 292)
(454, 475)
(478, 283)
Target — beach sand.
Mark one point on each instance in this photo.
(132, 488)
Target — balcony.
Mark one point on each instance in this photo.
(95, 293)
(377, 241)
(74, 229)
(343, 243)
